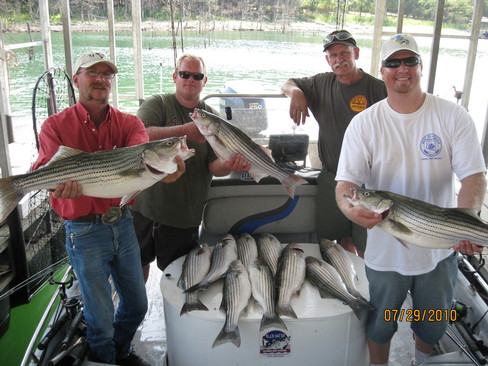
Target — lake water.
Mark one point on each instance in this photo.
(269, 58)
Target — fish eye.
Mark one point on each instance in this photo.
(367, 194)
(170, 143)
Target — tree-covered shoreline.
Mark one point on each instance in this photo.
(262, 15)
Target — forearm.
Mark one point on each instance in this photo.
(218, 168)
(289, 87)
(472, 191)
(158, 133)
(342, 188)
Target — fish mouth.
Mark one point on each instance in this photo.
(195, 114)
(184, 147)
(153, 170)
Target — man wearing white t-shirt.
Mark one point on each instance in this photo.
(414, 144)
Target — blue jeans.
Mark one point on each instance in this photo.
(96, 252)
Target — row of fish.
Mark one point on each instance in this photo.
(262, 269)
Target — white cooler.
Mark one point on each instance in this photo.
(326, 333)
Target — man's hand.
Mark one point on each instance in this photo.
(70, 189)
(298, 107)
(237, 163)
(173, 177)
(468, 248)
(193, 133)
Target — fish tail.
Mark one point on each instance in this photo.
(197, 287)
(228, 336)
(360, 308)
(290, 182)
(285, 310)
(9, 198)
(272, 321)
(192, 306)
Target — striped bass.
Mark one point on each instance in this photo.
(289, 278)
(336, 255)
(227, 140)
(236, 295)
(421, 223)
(269, 249)
(264, 292)
(194, 269)
(247, 251)
(327, 279)
(223, 254)
(122, 172)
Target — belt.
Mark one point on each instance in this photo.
(94, 217)
(89, 218)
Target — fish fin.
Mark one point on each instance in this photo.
(323, 293)
(256, 176)
(197, 305)
(230, 336)
(397, 226)
(360, 308)
(63, 153)
(128, 197)
(471, 212)
(198, 286)
(290, 182)
(285, 310)
(272, 321)
(267, 152)
(9, 198)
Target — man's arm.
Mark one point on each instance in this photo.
(298, 102)
(221, 168)
(357, 214)
(189, 129)
(471, 195)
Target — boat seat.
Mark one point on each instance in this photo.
(290, 220)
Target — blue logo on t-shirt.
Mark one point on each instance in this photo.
(431, 145)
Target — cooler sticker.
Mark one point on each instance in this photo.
(358, 103)
(275, 343)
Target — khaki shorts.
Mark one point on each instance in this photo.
(330, 221)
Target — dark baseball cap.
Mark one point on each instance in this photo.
(339, 37)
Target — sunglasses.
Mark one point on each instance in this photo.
(195, 75)
(339, 36)
(396, 62)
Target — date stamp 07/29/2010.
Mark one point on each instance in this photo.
(420, 315)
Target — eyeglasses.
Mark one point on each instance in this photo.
(195, 75)
(339, 36)
(396, 62)
(95, 73)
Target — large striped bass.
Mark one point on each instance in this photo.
(227, 140)
(263, 290)
(223, 254)
(327, 279)
(421, 223)
(122, 172)
(235, 298)
(289, 278)
(269, 249)
(194, 269)
(336, 255)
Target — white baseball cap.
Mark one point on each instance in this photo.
(92, 58)
(399, 42)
